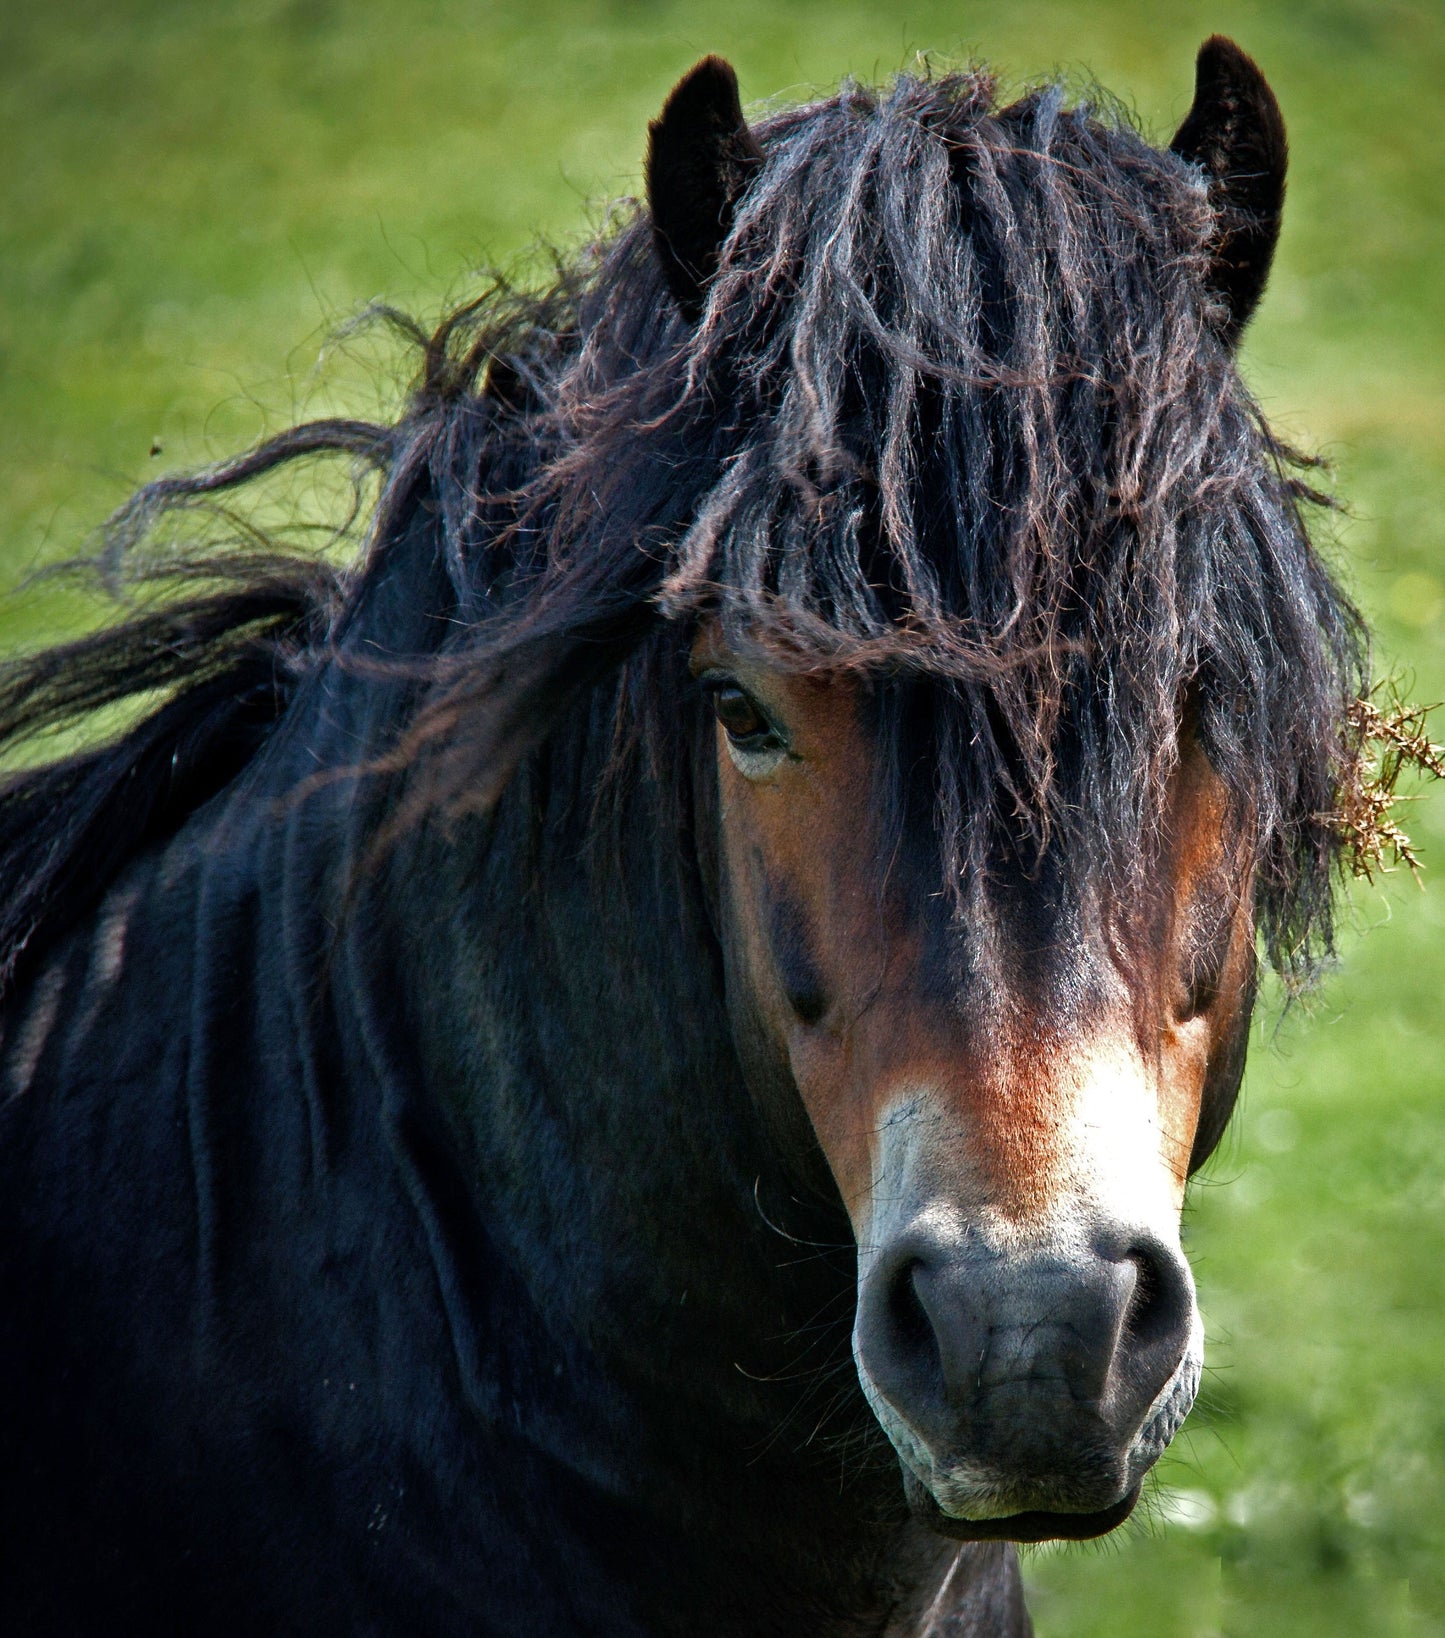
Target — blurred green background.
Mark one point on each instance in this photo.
(195, 196)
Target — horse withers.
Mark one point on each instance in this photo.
(630, 1063)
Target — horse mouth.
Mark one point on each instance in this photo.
(1033, 1526)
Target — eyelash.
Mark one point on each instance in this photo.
(1203, 974)
(1200, 994)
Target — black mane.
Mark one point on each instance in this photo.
(956, 409)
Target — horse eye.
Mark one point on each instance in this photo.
(1199, 996)
(740, 717)
(1200, 983)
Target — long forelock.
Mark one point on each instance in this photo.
(957, 407)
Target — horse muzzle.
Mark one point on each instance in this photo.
(1027, 1379)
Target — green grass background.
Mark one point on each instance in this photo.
(194, 195)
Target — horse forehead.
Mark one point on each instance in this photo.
(1046, 932)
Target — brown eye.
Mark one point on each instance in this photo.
(741, 719)
(755, 743)
(1198, 997)
(1202, 976)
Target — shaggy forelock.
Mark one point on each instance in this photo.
(956, 407)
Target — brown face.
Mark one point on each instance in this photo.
(1010, 1129)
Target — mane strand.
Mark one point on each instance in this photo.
(209, 670)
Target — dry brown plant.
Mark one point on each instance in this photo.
(1389, 737)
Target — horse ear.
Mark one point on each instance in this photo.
(1235, 131)
(700, 157)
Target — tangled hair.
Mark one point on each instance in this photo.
(956, 410)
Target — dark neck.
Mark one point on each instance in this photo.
(640, 1290)
(683, 1301)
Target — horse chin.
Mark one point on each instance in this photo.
(1032, 1526)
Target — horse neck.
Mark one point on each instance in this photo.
(566, 995)
(576, 1029)
(686, 1306)
(526, 1016)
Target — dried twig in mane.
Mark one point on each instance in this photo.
(1390, 737)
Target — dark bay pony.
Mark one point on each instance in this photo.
(630, 1064)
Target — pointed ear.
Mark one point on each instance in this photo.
(700, 157)
(1236, 133)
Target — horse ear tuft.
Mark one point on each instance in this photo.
(700, 157)
(1235, 131)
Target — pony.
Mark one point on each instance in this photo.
(628, 1062)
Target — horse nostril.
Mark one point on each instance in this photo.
(896, 1336)
(912, 1329)
(1160, 1304)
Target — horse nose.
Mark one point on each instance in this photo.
(1037, 1365)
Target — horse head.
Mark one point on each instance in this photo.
(1010, 1103)
(1009, 1055)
